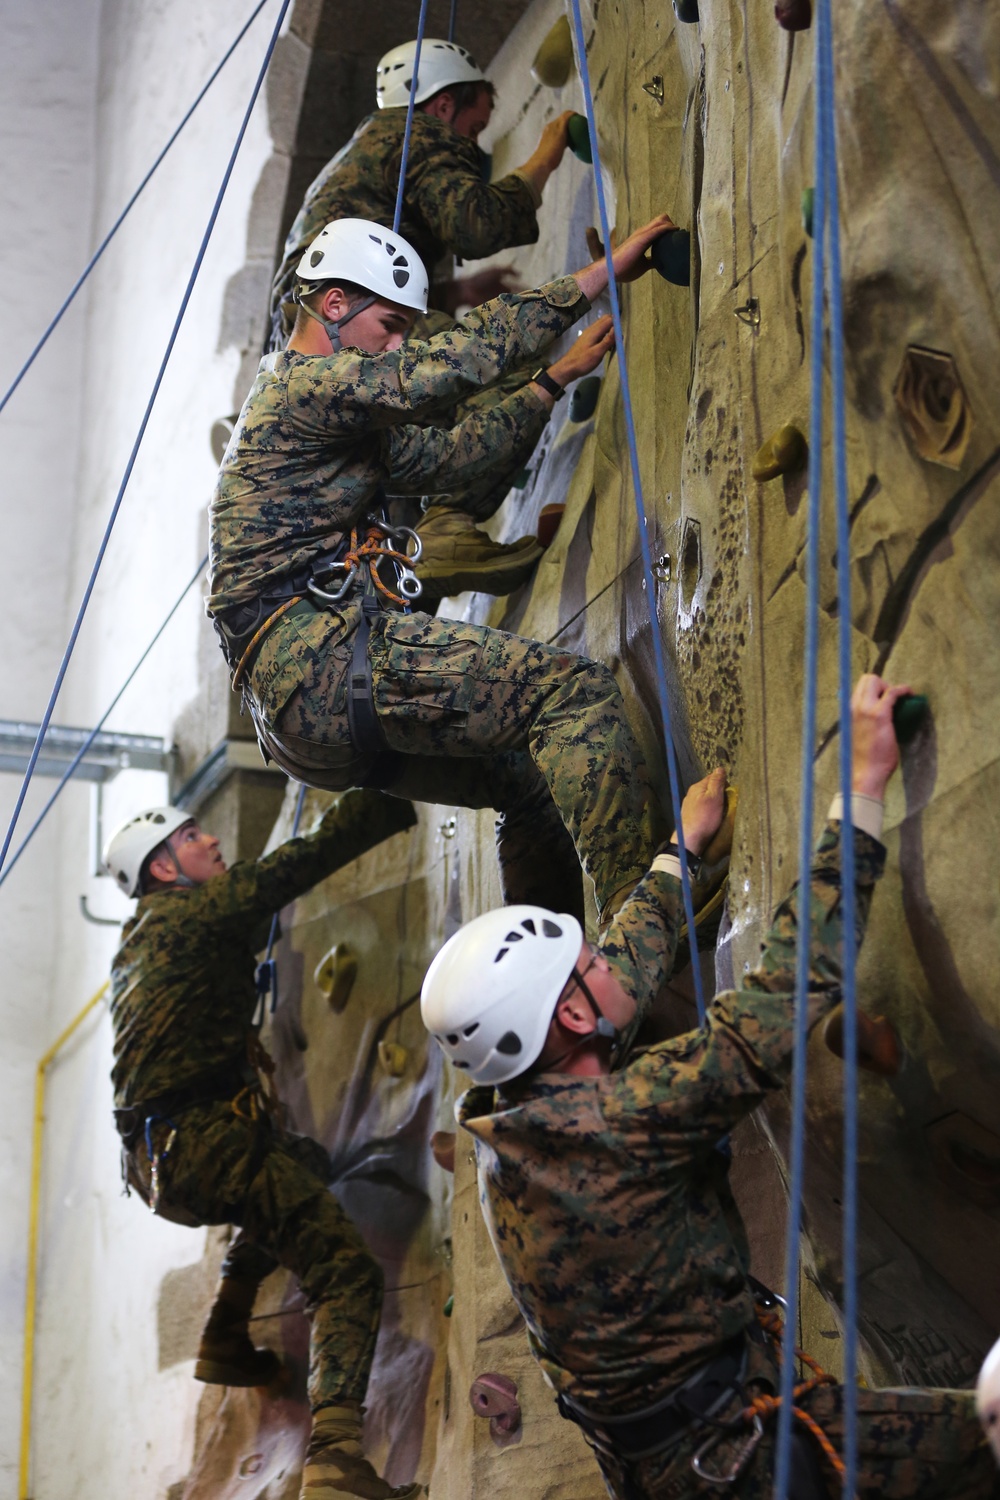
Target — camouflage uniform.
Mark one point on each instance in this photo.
(609, 1206)
(447, 208)
(478, 717)
(447, 205)
(183, 999)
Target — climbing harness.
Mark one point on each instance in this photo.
(647, 561)
(106, 538)
(67, 775)
(92, 263)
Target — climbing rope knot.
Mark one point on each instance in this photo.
(372, 551)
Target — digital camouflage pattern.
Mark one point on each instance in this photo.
(477, 718)
(182, 982)
(607, 1198)
(448, 208)
(608, 1203)
(222, 1168)
(318, 436)
(183, 998)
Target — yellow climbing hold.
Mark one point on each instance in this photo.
(784, 452)
(553, 62)
(393, 1058)
(335, 975)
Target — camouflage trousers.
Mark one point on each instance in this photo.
(912, 1445)
(225, 1169)
(476, 718)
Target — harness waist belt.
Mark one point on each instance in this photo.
(211, 1088)
(642, 1433)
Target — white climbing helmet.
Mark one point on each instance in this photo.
(988, 1398)
(441, 63)
(372, 257)
(128, 848)
(490, 993)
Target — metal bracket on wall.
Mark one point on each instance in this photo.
(654, 88)
(109, 753)
(225, 760)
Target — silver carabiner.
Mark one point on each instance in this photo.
(743, 1455)
(409, 584)
(407, 533)
(327, 598)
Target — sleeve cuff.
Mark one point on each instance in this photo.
(668, 864)
(533, 193)
(867, 813)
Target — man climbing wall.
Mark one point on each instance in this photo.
(607, 1197)
(343, 688)
(449, 208)
(201, 1140)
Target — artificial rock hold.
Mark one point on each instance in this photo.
(443, 1149)
(393, 1058)
(549, 518)
(807, 203)
(578, 135)
(934, 408)
(785, 451)
(686, 11)
(553, 62)
(335, 975)
(583, 402)
(794, 15)
(671, 256)
(908, 716)
(880, 1050)
(495, 1396)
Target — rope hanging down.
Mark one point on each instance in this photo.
(85, 273)
(451, 20)
(647, 561)
(826, 217)
(64, 664)
(67, 775)
(410, 105)
(267, 969)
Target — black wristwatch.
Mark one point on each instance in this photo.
(694, 861)
(544, 379)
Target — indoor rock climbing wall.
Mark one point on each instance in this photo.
(712, 120)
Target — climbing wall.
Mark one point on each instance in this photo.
(712, 120)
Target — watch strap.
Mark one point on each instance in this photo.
(544, 379)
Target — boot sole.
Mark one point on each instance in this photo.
(216, 1372)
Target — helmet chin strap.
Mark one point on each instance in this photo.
(333, 329)
(602, 1026)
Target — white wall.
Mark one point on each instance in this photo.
(88, 94)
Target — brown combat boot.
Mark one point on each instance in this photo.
(226, 1355)
(457, 556)
(335, 1462)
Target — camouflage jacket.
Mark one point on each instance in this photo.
(447, 206)
(182, 982)
(318, 435)
(607, 1199)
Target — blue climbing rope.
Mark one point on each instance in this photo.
(267, 969)
(67, 775)
(826, 103)
(410, 106)
(451, 20)
(88, 591)
(647, 561)
(89, 267)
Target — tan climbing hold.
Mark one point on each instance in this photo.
(443, 1149)
(880, 1050)
(393, 1058)
(721, 843)
(785, 451)
(933, 406)
(553, 62)
(335, 975)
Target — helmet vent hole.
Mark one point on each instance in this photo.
(514, 937)
(400, 277)
(375, 239)
(551, 929)
(471, 1030)
(316, 257)
(502, 954)
(459, 1064)
(509, 1044)
(529, 926)
(453, 1039)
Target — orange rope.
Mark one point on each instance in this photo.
(766, 1406)
(241, 665)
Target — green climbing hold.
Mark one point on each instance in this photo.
(671, 256)
(578, 136)
(808, 199)
(686, 10)
(583, 401)
(521, 478)
(449, 1306)
(785, 451)
(908, 715)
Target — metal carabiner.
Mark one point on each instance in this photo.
(409, 584)
(327, 598)
(743, 1455)
(408, 533)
